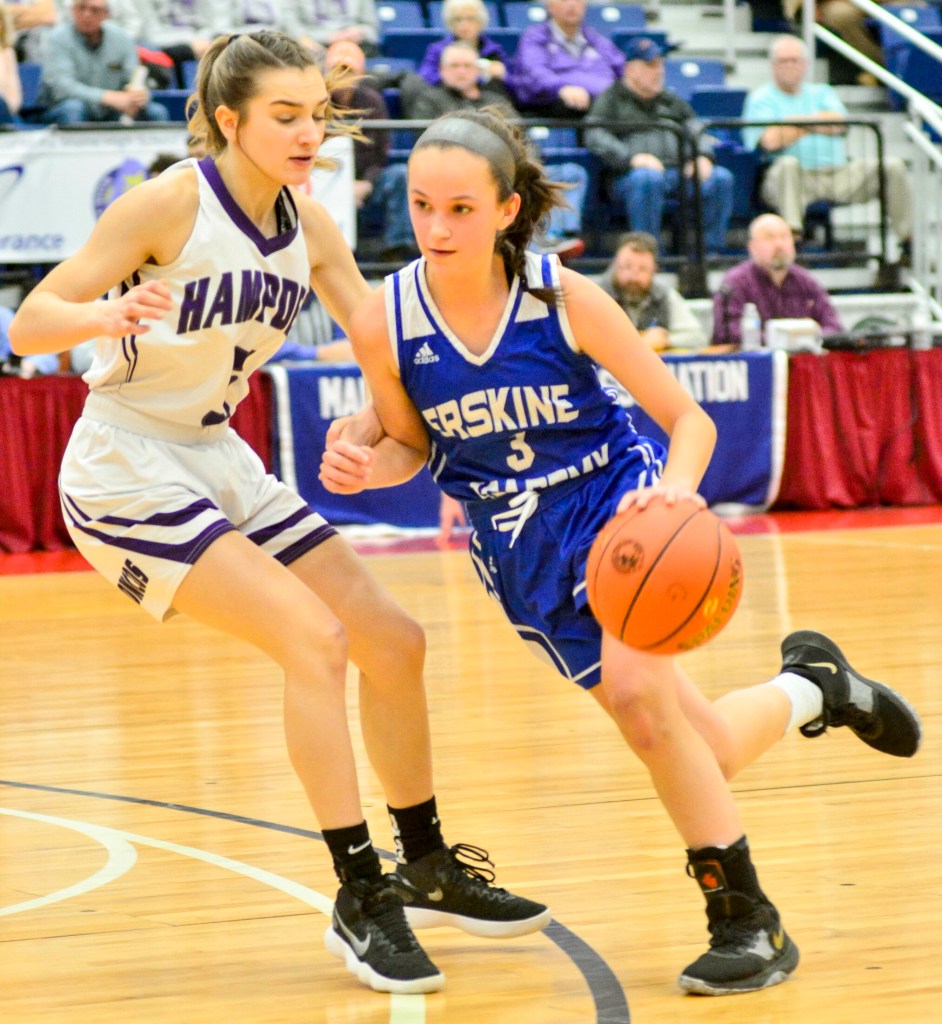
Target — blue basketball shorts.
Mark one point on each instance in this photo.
(539, 578)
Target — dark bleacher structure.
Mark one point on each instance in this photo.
(408, 27)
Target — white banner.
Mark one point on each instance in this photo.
(55, 184)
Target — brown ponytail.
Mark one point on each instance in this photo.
(228, 77)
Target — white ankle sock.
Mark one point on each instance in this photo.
(807, 699)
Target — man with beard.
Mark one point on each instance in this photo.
(660, 313)
(771, 280)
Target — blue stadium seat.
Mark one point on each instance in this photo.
(31, 73)
(190, 68)
(607, 18)
(684, 74)
(919, 18)
(744, 165)
(393, 102)
(622, 36)
(400, 14)
(408, 43)
(546, 137)
(434, 8)
(521, 13)
(389, 65)
(174, 100)
(918, 69)
(507, 38)
(723, 102)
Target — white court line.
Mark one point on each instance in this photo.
(121, 858)
(403, 1009)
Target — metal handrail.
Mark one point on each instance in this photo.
(873, 126)
(929, 111)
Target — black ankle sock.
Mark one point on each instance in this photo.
(726, 877)
(352, 851)
(416, 830)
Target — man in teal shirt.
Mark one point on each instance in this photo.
(810, 157)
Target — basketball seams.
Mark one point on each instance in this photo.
(706, 591)
(664, 579)
(661, 553)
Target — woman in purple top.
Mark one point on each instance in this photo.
(562, 64)
(465, 20)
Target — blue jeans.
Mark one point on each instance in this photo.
(643, 191)
(567, 220)
(388, 205)
(78, 111)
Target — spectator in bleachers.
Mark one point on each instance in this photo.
(850, 23)
(659, 312)
(771, 279)
(11, 93)
(810, 158)
(466, 20)
(459, 86)
(32, 20)
(318, 23)
(379, 187)
(179, 29)
(644, 163)
(561, 64)
(89, 71)
(229, 17)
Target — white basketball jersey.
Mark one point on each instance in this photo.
(235, 296)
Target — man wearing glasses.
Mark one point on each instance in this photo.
(91, 72)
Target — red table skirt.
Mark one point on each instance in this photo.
(864, 429)
(36, 419)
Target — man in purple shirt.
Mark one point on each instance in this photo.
(561, 65)
(770, 279)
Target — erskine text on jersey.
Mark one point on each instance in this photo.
(498, 410)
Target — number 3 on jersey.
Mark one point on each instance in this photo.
(523, 454)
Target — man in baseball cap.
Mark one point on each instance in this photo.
(646, 162)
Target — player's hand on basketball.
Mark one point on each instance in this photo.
(670, 494)
(148, 301)
(346, 468)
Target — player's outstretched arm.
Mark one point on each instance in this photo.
(66, 307)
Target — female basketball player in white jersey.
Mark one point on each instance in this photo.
(480, 357)
(207, 266)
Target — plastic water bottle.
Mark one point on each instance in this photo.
(750, 328)
(921, 322)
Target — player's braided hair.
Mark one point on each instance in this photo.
(228, 74)
(538, 195)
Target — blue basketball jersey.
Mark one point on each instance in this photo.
(528, 439)
(526, 415)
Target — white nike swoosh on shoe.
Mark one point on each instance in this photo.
(360, 946)
(351, 849)
(830, 666)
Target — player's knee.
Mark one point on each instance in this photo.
(636, 716)
(408, 639)
(315, 647)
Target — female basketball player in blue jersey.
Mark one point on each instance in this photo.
(481, 361)
(208, 265)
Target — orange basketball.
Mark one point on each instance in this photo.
(664, 579)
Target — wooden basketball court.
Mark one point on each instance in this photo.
(159, 863)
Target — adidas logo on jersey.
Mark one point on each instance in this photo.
(424, 355)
